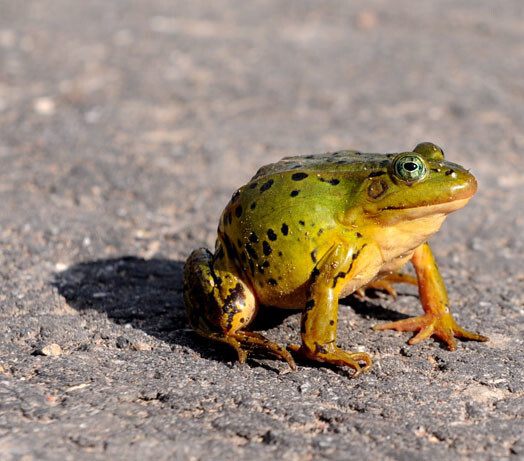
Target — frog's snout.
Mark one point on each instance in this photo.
(466, 187)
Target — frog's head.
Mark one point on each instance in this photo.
(417, 185)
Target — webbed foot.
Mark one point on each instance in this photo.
(255, 341)
(441, 325)
(330, 353)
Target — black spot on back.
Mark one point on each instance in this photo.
(253, 238)
(333, 181)
(284, 229)
(266, 248)
(299, 176)
(294, 193)
(251, 251)
(238, 211)
(264, 187)
(271, 235)
(230, 248)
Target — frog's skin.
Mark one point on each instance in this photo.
(306, 231)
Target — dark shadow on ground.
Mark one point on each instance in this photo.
(145, 293)
(367, 309)
(148, 295)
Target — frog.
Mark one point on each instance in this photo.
(309, 230)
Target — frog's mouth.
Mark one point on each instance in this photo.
(423, 210)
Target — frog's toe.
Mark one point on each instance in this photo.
(242, 354)
(382, 285)
(464, 334)
(412, 324)
(425, 326)
(255, 341)
(442, 326)
(386, 283)
(332, 354)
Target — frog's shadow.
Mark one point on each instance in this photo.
(147, 294)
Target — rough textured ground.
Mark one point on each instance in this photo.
(124, 128)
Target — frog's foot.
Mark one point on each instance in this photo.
(386, 283)
(332, 354)
(247, 341)
(256, 342)
(441, 325)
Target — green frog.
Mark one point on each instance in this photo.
(308, 230)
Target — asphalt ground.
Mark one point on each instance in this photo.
(124, 128)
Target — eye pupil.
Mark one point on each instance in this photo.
(410, 166)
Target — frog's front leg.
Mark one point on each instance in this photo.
(220, 305)
(319, 318)
(437, 319)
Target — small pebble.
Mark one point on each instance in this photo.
(44, 106)
(51, 350)
(141, 346)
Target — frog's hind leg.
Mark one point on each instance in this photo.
(386, 283)
(220, 304)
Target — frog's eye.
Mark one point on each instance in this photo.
(410, 168)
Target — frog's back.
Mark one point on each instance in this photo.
(344, 162)
(317, 184)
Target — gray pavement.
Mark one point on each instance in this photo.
(124, 128)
